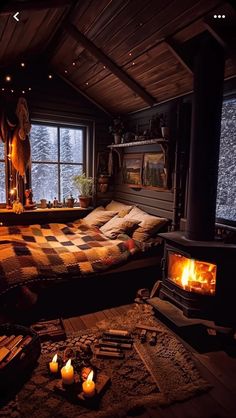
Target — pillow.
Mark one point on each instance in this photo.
(119, 207)
(117, 226)
(99, 216)
(149, 225)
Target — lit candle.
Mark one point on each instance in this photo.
(89, 386)
(12, 192)
(67, 373)
(53, 365)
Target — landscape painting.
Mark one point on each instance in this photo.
(154, 171)
(132, 169)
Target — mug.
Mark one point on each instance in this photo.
(43, 203)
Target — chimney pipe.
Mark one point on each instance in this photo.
(205, 140)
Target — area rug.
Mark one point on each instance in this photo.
(148, 376)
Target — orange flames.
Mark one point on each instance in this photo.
(192, 275)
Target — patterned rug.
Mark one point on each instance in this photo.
(149, 375)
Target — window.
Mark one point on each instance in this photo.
(2, 174)
(226, 188)
(58, 153)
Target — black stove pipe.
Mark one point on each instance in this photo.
(205, 140)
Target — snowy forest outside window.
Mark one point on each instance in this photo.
(57, 155)
(226, 188)
(2, 174)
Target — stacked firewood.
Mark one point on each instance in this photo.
(113, 343)
(11, 346)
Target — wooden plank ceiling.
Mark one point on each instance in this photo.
(124, 54)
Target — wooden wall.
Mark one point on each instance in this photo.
(57, 101)
(158, 203)
(54, 100)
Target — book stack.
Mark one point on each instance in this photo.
(50, 330)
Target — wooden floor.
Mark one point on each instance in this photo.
(218, 368)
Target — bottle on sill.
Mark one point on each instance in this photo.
(55, 202)
(49, 205)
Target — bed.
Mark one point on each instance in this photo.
(102, 243)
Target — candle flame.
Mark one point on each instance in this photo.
(90, 376)
(12, 191)
(68, 364)
(54, 358)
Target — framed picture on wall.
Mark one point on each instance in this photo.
(154, 170)
(132, 169)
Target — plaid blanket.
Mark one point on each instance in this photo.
(50, 251)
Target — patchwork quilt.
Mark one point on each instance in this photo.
(50, 251)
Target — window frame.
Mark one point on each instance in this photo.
(58, 126)
(223, 222)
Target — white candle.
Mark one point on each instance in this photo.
(89, 386)
(53, 365)
(67, 373)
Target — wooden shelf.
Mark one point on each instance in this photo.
(160, 141)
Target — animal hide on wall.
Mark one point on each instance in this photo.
(20, 140)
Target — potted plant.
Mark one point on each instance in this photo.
(163, 126)
(85, 185)
(117, 129)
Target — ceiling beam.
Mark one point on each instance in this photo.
(224, 34)
(179, 54)
(105, 60)
(16, 6)
(83, 93)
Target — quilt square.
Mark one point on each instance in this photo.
(67, 243)
(83, 246)
(28, 238)
(14, 230)
(67, 231)
(21, 250)
(51, 238)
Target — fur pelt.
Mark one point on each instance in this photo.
(23, 117)
(20, 152)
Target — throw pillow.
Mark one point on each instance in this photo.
(98, 216)
(120, 208)
(149, 224)
(117, 226)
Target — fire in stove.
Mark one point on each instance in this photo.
(192, 275)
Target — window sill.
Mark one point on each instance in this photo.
(38, 210)
(59, 215)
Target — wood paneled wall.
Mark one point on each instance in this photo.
(159, 203)
(56, 101)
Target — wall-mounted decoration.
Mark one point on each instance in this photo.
(146, 170)
(132, 169)
(154, 171)
(103, 162)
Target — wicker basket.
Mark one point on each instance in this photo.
(16, 370)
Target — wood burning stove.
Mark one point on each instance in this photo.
(199, 277)
(199, 271)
